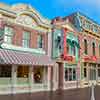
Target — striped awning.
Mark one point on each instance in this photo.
(23, 58)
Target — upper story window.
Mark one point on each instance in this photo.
(40, 41)
(85, 47)
(95, 28)
(26, 39)
(93, 48)
(87, 25)
(8, 34)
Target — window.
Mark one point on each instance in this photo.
(22, 71)
(38, 75)
(70, 74)
(5, 71)
(93, 48)
(40, 41)
(25, 40)
(73, 50)
(85, 72)
(98, 72)
(8, 34)
(85, 47)
(67, 48)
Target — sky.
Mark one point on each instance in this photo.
(53, 8)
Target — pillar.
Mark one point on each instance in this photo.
(14, 78)
(31, 77)
(49, 78)
(87, 72)
(45, 76)
(96, 73)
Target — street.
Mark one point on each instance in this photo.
(74, 94)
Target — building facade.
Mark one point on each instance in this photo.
(89, 39)
(37, 54)
(25, 64)
(65, 52)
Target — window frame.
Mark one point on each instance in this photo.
(85, 47)
(26, 40)
(8, 34)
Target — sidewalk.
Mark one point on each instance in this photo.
(75, 94)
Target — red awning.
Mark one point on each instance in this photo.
(23, 58)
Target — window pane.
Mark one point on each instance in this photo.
(66, 74)
(40, 40)
(5, 71)
(26, 38)
(26, 35)
(38, 75)
(8, 39)
(98, 72)
(25, 43)
(9, 30)
(85, 72)
(70, 74)
(74, 74)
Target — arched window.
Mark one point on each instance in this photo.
(85, 47)
(93, 48)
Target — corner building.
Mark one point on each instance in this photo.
(25, 64)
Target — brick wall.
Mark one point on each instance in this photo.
(18, 33)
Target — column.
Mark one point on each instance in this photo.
(96, 73)
(49, 77)
(87, 72)
(14, 78)
(45, 77)
(31, 78)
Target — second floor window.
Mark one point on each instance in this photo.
(40, 41)
(8, 34)
(93, 48)
(26, 39)
(85, 47)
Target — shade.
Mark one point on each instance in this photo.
(69, 42)
(23, 58)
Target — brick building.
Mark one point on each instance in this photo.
(25, 64)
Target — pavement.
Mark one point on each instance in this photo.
(73, 94)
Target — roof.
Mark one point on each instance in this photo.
(23, 58)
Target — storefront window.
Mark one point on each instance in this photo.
(5, 71)
(85, 72)
(38, 75)
(70, 74)
(22, 71)
(98, 72)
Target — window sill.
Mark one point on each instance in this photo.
(13, 47)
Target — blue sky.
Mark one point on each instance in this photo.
(53, 8)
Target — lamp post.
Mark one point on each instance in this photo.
(92, 92)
